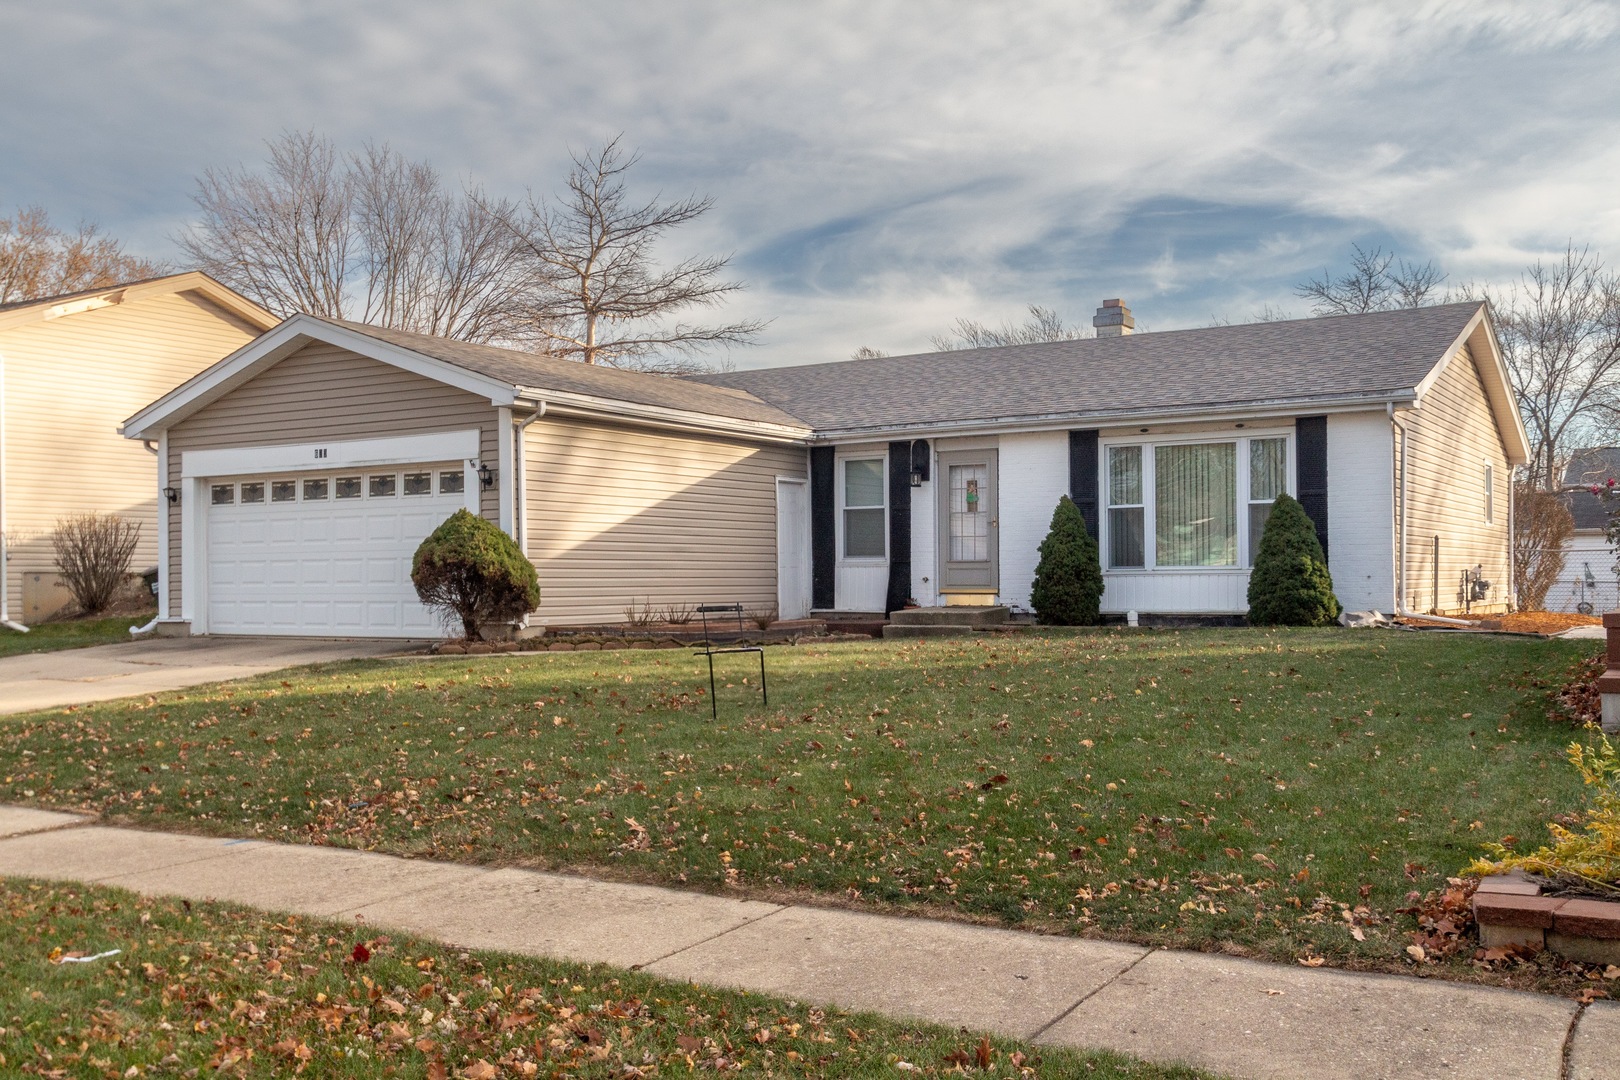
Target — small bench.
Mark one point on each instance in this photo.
(710, 652)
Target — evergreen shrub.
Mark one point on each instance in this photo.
(471, 571)
(1290, 584)
(1068, 579)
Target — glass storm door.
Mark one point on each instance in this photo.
(969, 558)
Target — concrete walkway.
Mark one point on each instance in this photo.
(1238, 1017)
(53, 680)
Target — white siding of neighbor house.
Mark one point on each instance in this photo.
(326, 392)
(619, 515)
(1453, 436)
(1361, 500)
(1586, 550)
(70, 383)
(1033, 475)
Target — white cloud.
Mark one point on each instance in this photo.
(881, 168)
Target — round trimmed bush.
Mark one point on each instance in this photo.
(1290, 584)
(468, 569)
(1068, 579)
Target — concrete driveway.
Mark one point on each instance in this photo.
(53, 680)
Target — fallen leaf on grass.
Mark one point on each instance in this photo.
(1611, 972)
(983, 1052)
(1272, 993)
(479, 1070)
(1312, 961)
(1416, 952)
(1591, 994)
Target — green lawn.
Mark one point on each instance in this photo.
(69, 634)
(219, 990)
(1280, 793)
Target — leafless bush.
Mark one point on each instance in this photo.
(93, 552)
(680, 614)
(1542, 525)
(641, 615)
(763, 617)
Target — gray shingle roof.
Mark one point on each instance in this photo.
(1593, 465)
(530, 370)
(1305, 361)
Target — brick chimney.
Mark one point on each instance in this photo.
(1113, 319)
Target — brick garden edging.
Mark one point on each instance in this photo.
(1511, 911)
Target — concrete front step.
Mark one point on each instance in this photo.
(950, 616)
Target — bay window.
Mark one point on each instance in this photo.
(1191, 505)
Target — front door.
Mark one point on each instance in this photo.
(968, 552)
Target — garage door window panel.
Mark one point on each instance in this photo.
(283, 491)
(253, 492)
(452, 483)
(383, 487)
(223, 494)
(419, 483)
(347, 487)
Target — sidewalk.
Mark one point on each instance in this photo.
(1238, 1017)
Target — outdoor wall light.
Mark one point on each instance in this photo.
(486, 476)
(919, 462)
(172, 494)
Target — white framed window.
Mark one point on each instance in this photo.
(1191, 503)
(1490, 495)
(223, 494)
(863, 509)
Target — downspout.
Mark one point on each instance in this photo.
(5, 553)
(163, 508)
(520, 494)
(1401, 533)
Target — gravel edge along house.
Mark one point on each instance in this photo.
(306, 467)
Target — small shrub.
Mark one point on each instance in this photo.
(763, 617)
(469, 570)
(1290, 585)
(641, 615)
(1068, 579)
(1589, 857)
(93, 552)
(680, 614)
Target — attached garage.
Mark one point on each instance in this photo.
(302, 472)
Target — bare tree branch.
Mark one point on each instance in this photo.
(597, 294)
(1376, 281)
(38, 259)
(1043, 324)
(368, 236)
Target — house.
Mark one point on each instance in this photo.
(310, 463)
(1591, 574)
(934, 476)
(71, 368)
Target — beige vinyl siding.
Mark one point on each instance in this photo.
(619, 515)
(326, 392)
(70, 383)
(1451, 437)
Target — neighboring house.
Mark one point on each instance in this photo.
(71, 369)
(310, 463)
(1591, 569)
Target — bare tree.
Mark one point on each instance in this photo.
(599, 296)
(370, 236)
(93, 552)
(1043, 324)
(1559, 327)
(38, 259)
(1542, 525)
(866, 352)
(1376, 281)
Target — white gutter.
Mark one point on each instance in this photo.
(5, 554)
(163, 509)
(563, 402)
(1403, 540)
(1058, 421)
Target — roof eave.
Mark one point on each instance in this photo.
(1113, 417)
(190, 281)
(598, 408)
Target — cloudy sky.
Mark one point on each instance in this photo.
(883, 168)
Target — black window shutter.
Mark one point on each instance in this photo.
(1311, 459)
(899, 525)
(1083, 476)
(823, 528)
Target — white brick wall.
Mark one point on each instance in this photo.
(1033, 474)
(1361, 515)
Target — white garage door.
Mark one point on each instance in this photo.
(324, 555)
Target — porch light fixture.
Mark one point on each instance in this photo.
(919, 462)
(172, 494)
(486, 476)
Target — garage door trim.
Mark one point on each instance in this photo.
(198, 466)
